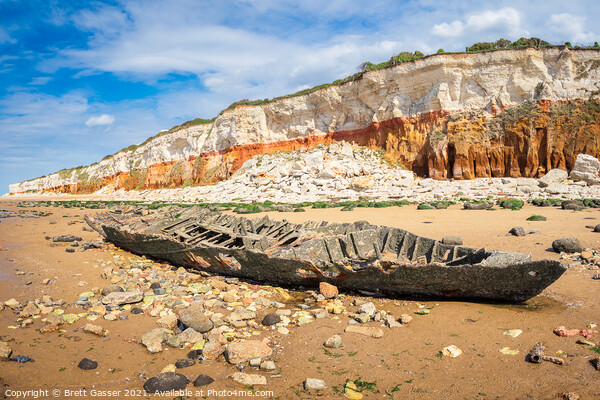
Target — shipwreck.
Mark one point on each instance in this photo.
(352, 256)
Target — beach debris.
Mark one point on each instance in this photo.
(554, 360)
(333, 342)
(564, 332)
(508, 351)
(314, 384)
(451, 351)
(585, 342)
(536, 353)
(203, 380)
(513, 332)
(328, 290)
(166, 381)
(365, 330)
(87, 364)
(567, 245)
(249, 379)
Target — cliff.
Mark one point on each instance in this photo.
(515, 113)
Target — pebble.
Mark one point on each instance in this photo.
(168, 321)
(268, 365)
(203, 380)
(314, 384)
(87, 364)
(333, 342)
(249, 379)
(184, 363)
(111, 289)
(165, 382)
(5, 351)
(328, 290)
(271, 319)
(451, 351)
(95, 329)
(367, 308)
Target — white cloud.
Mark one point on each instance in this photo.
(5, 37)
(104, 119)
(40, 80)
(506, 21)
(570, 26)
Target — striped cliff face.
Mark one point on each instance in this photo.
(461, 116)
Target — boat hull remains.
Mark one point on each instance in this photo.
(355, 256)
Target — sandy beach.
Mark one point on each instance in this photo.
(404, 364)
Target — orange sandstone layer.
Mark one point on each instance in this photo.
(520, 141)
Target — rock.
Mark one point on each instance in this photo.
(174, 341)
(203, 380)
(478, 206)
(586, 254)
(240, 352)
(268, 365)
(111, 289)
(517, 231)
(596, 363)
(213, 349)
(572, 205)
(255, 362)
(451, 351)
(190, 336)
(314, 384)
(363, 183)
(193, 317)
(30, 310)
(165, 382)
(12, 303)
(95, 329)
(405, 319)
(184, 363)
(169, 368)
(54, 319)
(87, 364)
(249, 379)
(153, 339)
(271, 319)
(5, 351)
(120, 298)
(106, 273)
(363, 318)
(328, 290)
(70, 250)
(93, 244)
(367, 308)
(553, 176)
(567, 245)
(391, 322)
(66, 238)
(168, 321)
(333, 342)
(136, 310)
(240, 315)
(587, 169)
(365, 330)
(452, 240)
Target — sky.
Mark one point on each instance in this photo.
(83, 79)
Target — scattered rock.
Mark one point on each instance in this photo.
(12, 303)
(213, 349)
(111, 289)
(95, 329)
(451, 351)
(249, 379)
(365, 330)
(271, 319)
(517, 231)
(120, 298)
(333, 342)
(168, 321)
(240, 352)
(314, 384)
(87, 364)
(553, 176)
(66, 238)
(567, 245)
(193, 317)
(405, 319)
(5, 351)
(203, 380)
(184, 363)
(190, 336)
(153, 339)
(328, 290)
(452, 240)
(367, 308)
(268, 365)
(30, 310)
(165, 382)
(391, 322)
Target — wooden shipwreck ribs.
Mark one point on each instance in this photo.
(356, 256)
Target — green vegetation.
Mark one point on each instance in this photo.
(536, 218)
(546, 202)
(512, 204)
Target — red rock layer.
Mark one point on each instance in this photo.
(521, 141)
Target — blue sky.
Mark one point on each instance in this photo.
(83, 79)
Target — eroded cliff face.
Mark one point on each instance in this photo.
(502, 113)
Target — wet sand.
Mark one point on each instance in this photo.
(403, 364)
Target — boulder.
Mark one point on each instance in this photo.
(553, 176)
(363, 183)
(567, 245)
(587, 169)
